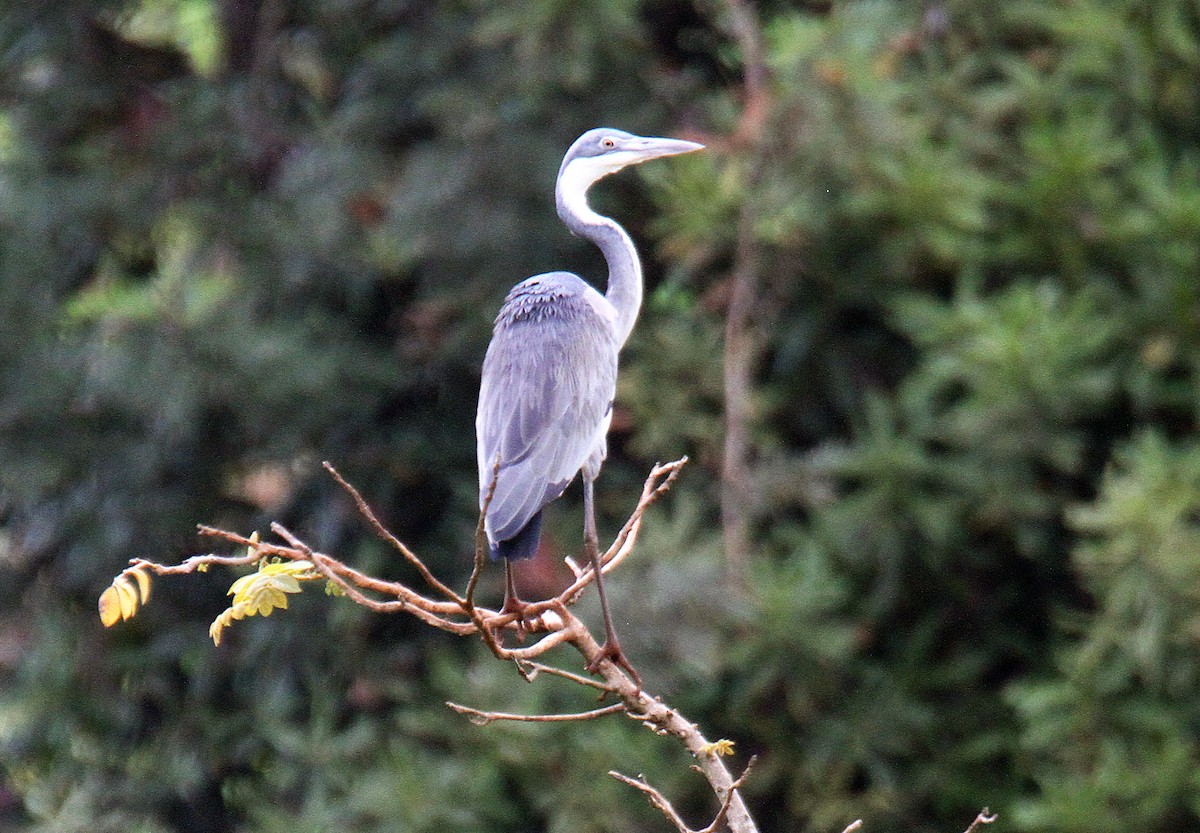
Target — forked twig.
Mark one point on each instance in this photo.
(664, 805)
(656, 798)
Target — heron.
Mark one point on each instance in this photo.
(550, 373)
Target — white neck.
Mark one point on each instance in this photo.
(624, 290)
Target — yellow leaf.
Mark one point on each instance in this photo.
(127, 596)
(110, 607)
(143, 582)
(238, 588)
(286, 583)
(218, 626)
(720, 748)
(290, 568)
(270, 599)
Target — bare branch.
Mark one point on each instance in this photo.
(544, 644)
(664, 720)
(656, 798)
(460, 615)
(481, 542)
(365, 510)
(664, 805)
(983, 818)
(658, 483)
(719, 819)
(532, 669)
(195, 563)
(482, 718)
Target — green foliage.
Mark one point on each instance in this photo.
(1110, 735)
(233, 245)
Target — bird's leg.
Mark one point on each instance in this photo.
(611, 649)
(512, 602)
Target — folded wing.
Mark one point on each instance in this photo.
(546, 397)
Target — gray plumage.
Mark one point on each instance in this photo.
(543, 411)
(550, 373)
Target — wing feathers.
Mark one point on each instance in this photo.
(548, 380)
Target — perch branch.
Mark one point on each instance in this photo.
(664, 720)
(460, 615)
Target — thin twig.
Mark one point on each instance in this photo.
(318, 561)
(983, 818)
(719, 819)
(196, 562)
(365, 510)
(535, 668)
(481, 550)
(482, 718)
(656, 798)
(481, 542)
(668, 809)
(328, 567)
(658, 483)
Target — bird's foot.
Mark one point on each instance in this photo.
(519, 610)
(611, 650)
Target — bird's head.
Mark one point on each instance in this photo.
(604, 150)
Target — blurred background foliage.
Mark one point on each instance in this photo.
(238, 237)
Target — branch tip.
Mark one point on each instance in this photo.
(984, 817)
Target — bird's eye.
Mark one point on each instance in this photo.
(608, 143)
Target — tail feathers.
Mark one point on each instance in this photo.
(522, 545)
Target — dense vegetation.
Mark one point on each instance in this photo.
(238, 237)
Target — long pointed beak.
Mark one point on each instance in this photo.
(653, 148)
